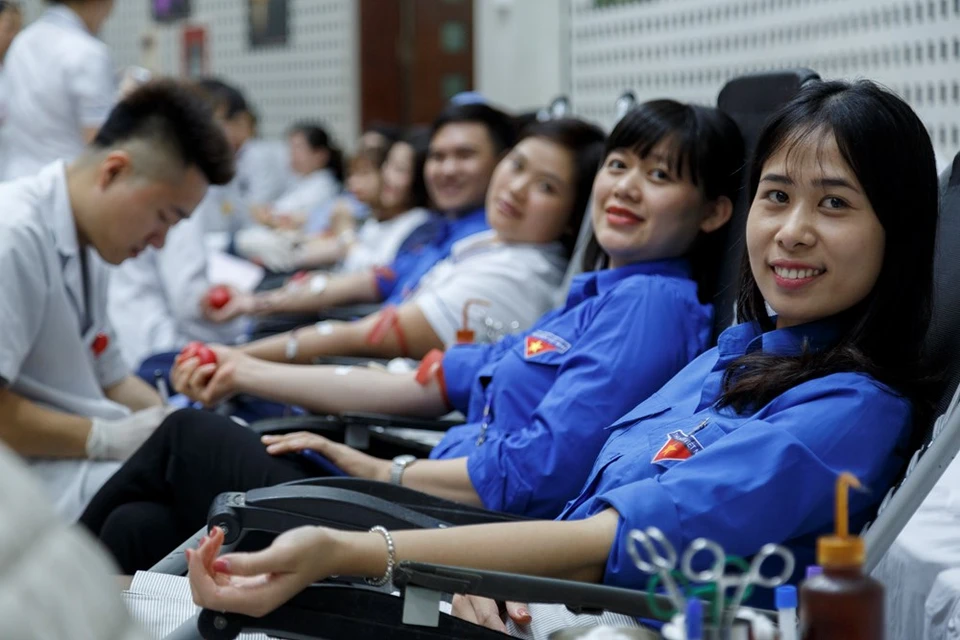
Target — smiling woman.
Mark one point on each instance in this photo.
(817, 244)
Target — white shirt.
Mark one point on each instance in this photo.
(60, 80)
(377, 242)
(51, 321)
(308, 192)
(263, 171)
(154, 299)
(516, 281)
(223, 209)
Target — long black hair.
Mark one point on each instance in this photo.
(706, 143)
(318, 139)
(887, 147)
(418, 137)
(585, 143)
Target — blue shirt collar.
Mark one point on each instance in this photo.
(594, 283)
(747, 337)
(465, 216)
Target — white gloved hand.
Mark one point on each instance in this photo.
(119, 439)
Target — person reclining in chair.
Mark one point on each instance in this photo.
(744, 445)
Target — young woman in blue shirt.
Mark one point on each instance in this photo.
(536, 403)
(744, 445)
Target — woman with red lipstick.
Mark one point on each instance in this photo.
(745, 444)
(536, 402)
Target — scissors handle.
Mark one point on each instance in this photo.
(756, 575)
(717, 567)
(665, 560)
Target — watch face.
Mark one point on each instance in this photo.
(404, 459)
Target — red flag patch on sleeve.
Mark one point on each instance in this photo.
(540, 342)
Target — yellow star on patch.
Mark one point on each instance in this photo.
(536, 346)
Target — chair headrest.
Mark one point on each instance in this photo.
(749, 100)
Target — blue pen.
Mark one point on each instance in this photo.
(323, 462)
(693, 620)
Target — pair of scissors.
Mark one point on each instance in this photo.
(662, 560)
(754, 574)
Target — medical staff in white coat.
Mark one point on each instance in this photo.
(263, 172)
(61, 84)
(70, 405)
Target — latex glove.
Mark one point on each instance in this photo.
(119, 439)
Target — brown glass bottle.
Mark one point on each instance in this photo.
(841, 604)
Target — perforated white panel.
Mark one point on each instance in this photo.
(315, 76)
(687, 49)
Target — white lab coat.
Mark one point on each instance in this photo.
(307, 193)
(60, 79)
(154, 300)
(224, 209)
(263, 171)
(50, 322)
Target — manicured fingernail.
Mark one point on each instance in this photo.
(523, 613)
(221, 565)
(203, 541)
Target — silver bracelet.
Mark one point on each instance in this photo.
(391, 559)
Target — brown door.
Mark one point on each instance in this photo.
(414, 55)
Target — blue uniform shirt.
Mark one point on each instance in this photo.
(425, 247)
(680, 464)
(537, 403)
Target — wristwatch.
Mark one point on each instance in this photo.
(400, 463)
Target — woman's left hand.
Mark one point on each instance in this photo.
(255, 584)
(353, 462)
(489, 613)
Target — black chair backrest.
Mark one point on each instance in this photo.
(749, 100)
(940, 440)
(943, 341)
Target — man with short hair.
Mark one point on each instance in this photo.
(156, 300)
(69, 404)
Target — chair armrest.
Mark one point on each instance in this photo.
(277, 509)
(454, 513)
(358, 418)
(579, 597)
(324, 425)
(175, 562)
(337, 612)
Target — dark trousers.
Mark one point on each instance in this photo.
(161, 495)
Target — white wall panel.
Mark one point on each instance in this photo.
(315, 76)
(688, 49)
